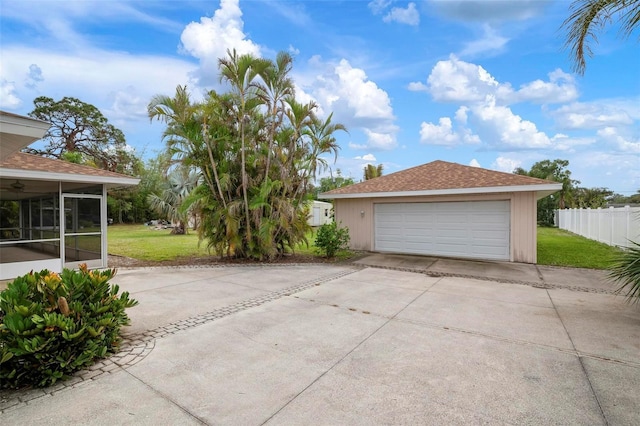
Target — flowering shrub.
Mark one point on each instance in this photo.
(52, 325)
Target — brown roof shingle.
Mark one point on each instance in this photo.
(438, 175)
(30, 162)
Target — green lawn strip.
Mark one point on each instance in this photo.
(557, 247)
(146, 243)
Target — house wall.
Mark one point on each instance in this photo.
(357, 215)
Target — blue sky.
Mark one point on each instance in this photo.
(474, 82)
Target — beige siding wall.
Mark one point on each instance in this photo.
(524, 227)
(357, 214)
(349, 213)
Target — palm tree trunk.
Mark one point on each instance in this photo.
(244, 179)
(215, 172)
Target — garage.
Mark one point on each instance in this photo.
(444, 209)
(472, 229)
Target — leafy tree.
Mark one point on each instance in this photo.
(256, 149)
(591, 198)
(333, 182)
(80, 133)
(556, 170)
(589, 16)
(371, 171)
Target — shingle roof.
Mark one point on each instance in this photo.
(36, 163)
(438, 175)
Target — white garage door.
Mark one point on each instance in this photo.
(472, 229)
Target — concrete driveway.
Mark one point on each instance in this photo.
(389, 340)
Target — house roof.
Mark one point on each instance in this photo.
(20, 165)
(441, 178)
(18, 131)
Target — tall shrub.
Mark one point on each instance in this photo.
(52, 325)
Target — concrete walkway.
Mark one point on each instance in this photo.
(391, 339)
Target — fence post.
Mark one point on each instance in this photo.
(611, 225)
(598, 220)
(627, 222)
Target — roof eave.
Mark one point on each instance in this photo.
(110, 181)
(541, 191)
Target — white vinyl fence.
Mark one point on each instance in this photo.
(614, 226)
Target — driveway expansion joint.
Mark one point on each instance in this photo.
(135, 347)
(535, 284)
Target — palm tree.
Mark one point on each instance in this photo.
(277, 88)
(371, 171)
(626, 271)
(180, 182)
(588, 16)
(256, 149)
(241, 72)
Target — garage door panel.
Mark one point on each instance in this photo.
(458, 229)
(489, 234)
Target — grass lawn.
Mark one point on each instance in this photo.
(145, 243)
(561, 248)
(555, 247)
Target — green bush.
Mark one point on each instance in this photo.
(331, 238)
(52, 325)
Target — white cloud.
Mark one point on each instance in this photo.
(438, 134)
(474, 163)
(367, 157)
(209, 39)
(622, 169)
(378, 6)
(562, 142)
(418, 86)
(508, 129)
(380, 141)
(484, 100)
(294, 51)
(454, 80)
(34, 76)
(599, 114)
(8, 97)
(490, 43)
(503, 164)
(409, 16)
(356, 101)
(363, 96)
(354, 145)
(559, 89)
(443, 133)
(622, 143)
(461, 115)
(127, 82)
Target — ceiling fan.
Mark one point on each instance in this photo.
(17, 186)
